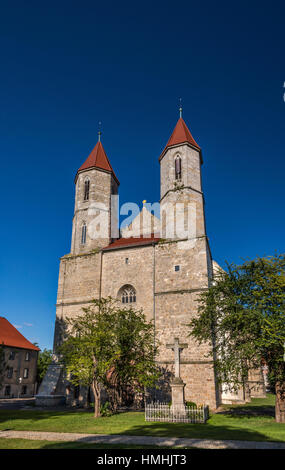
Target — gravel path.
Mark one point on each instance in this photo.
(141, 440)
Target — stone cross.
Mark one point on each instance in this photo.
(176, 347)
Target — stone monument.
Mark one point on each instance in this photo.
(177, 384)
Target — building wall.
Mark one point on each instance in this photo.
(166, 296)
(78, 284)
(19, 364)
(191, 168)
(102, 186)
(176, 295)
(137, 273)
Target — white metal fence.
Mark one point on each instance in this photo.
(166, 413)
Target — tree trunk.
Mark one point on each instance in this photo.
(97, 401)
(280, 402)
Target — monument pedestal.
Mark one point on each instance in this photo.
(177, 392)
(47, 394)
(50, 400)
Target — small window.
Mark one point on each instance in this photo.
(27, 356)
(178, 168)
(177, 267)
(83, 234)
(7, 391)
(127, 295)
(12, 355)
(127, 260)
(10, 372)
(86, 189)
(26, 373)
(24, 390)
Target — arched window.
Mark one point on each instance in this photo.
(83, 234)
(86, 189)
(127, 294)
(177, 167)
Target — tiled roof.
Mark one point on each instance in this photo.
(131, 241)
(10, 336)
(180, 135)
(98, 159)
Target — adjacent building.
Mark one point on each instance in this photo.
(19, 363)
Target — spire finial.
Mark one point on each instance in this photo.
(180, 107)
(99, 132)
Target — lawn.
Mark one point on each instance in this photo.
(32, 444)
(253, 422)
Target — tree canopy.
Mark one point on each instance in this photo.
(109, 346)
(242, 314)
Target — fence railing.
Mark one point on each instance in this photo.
(166, 413)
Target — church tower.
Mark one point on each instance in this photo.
(183, 265)
(182, 202)
(95, 183)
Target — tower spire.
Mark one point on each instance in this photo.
(180, 108)
(99, 132)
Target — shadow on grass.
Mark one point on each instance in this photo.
(34, 415)
(33, 444)
(200, 431)
(249, 411)
(86, 445)
(221, 426)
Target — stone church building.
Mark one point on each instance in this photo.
(154, 268)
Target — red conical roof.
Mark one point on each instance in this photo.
(180, 135)
(98, 159)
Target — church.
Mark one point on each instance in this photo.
(151, 264)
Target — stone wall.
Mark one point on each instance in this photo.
(166, 296)
(102, 186)
(176, 296)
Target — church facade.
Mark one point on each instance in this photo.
(158, 271)
(152, 268)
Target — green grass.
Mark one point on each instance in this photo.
(32, 444)
(252, 422)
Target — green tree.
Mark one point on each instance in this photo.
(108, 340)
(242, 315)
(134, 367)
(44, 360)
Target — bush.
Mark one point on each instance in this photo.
(105, 410)
(192, 404)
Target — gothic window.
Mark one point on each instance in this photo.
(127, 294)
(177, 167)
(86, 189)
(83, 234)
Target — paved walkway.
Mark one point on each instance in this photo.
(141, 440)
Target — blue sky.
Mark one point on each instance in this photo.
(67, 65)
